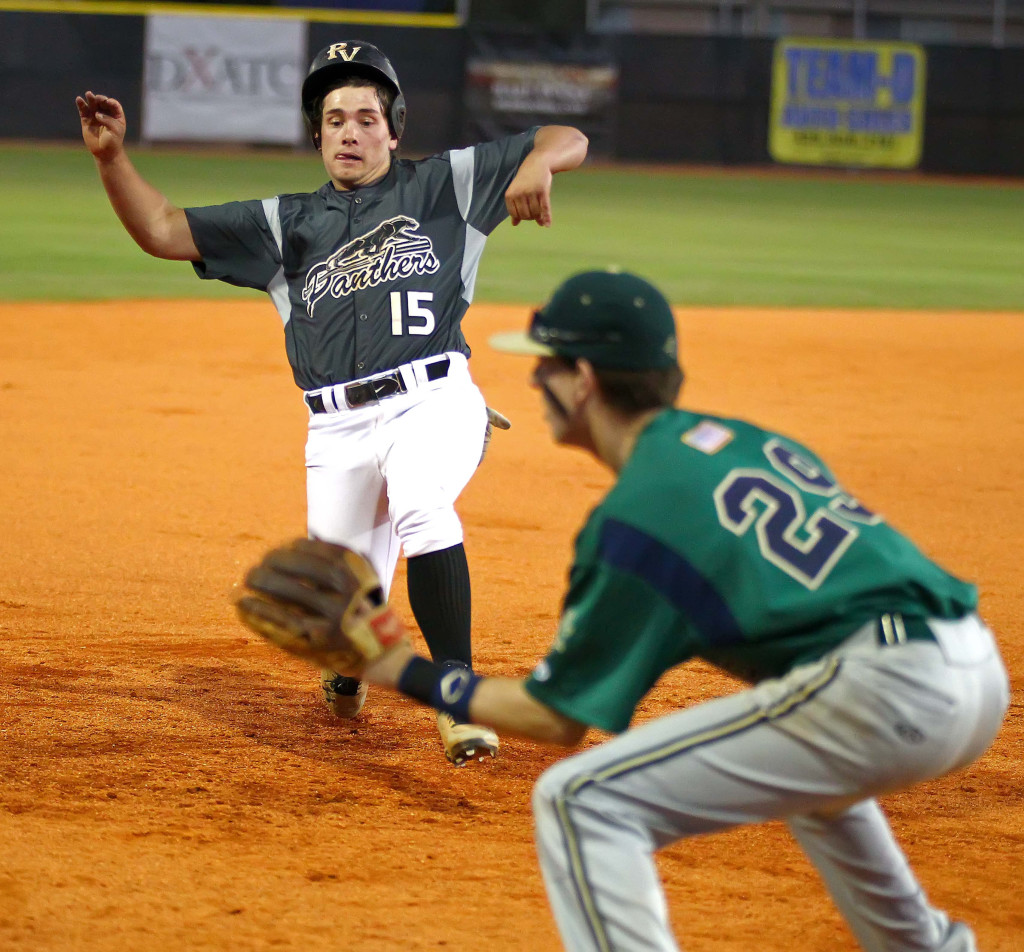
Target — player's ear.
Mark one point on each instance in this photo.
(586, 378)
(393, 144)
(585, 369)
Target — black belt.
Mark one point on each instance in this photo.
(378, 388)
(894, 629)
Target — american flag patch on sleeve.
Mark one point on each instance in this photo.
(708, 436)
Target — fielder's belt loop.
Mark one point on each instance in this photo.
(895, 629)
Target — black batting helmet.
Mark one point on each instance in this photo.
(338, 61)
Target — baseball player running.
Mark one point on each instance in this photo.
(371, 276)
(869, 669)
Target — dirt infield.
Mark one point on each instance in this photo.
(168, 782)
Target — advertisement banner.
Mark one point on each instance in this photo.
(847, 103)
(549, 89)
(505, 96)
(223, 79)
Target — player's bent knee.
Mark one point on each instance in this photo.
(550, 802)
(555, 788)
(423, 533)
(542, 799)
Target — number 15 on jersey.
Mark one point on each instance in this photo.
(408, 314)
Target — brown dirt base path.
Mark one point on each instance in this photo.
(169, 782)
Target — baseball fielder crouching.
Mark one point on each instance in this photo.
(870, 670)
(371, 276)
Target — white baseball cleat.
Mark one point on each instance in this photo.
(466, 742)
(344, 696)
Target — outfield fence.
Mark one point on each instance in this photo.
(698, 97)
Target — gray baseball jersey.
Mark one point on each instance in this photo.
(368, 279)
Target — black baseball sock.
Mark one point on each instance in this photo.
(439, 596)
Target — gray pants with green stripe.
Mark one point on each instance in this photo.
(814, 748)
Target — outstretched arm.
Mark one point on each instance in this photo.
(324, 603)
(555, 149)
(157, 226)
(501, 703)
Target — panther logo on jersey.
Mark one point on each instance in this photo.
(394, 249)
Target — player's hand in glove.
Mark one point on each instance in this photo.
(321, 602)
(494, 420)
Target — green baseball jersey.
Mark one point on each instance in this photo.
(728, 542)
(367, 279)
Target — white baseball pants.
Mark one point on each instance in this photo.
(384, 478)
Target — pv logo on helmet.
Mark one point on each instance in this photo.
(341, 49)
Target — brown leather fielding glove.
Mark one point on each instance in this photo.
(321, 602)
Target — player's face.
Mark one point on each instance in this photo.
(561, 387)
(355, 141)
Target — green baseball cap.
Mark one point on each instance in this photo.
(616, 320)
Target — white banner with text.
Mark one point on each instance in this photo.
(223, 79)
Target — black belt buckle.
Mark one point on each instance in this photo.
(371, 391)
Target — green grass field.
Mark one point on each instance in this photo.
(707, 238)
